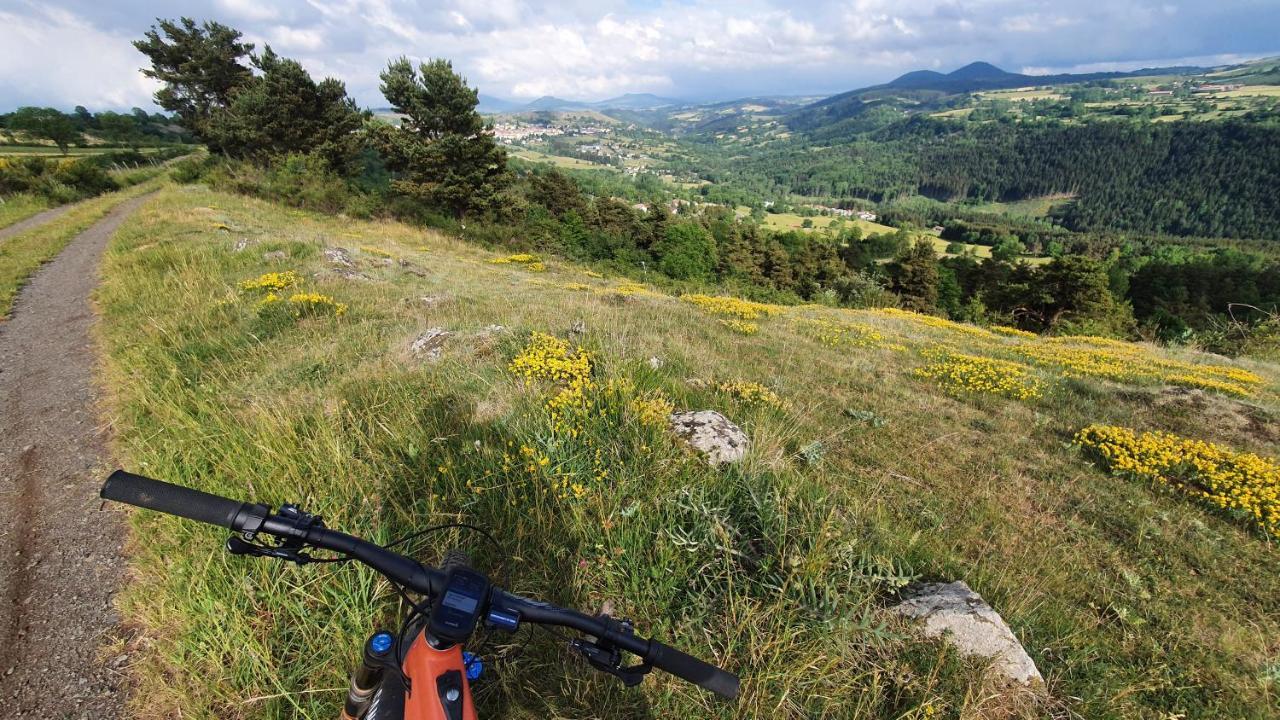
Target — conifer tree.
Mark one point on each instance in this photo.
(443, 152)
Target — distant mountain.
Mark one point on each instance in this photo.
(927, 85)
(548, 102)
(981, 72)
(636, 101)
(491, 104)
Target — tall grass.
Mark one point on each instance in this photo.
(20, 207)
(23, 254)
(1133, 603)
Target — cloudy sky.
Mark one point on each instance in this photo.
(69, 52)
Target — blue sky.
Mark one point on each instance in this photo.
(68, 52)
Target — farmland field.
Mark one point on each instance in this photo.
(558, 160)
(792, 221)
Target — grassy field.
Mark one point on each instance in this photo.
(558, 160)
(20, 207)
(867, 469)
(22, 255)
(792, 221)
(71, 152)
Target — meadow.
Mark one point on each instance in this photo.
(886, 447)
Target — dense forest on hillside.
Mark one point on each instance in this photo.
(1205, 179)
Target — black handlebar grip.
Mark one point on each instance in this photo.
(169, 498)
(688, 667)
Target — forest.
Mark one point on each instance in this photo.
(1210, 179)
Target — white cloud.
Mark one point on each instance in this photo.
(249, 9)
(92, 68)
(286, 38)
(586, 49)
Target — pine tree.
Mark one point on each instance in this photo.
(285, 111)
(199, 66)
(443, 152)
(915, 277)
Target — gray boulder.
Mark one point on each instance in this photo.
(960, 616)
(275, 256)
(430, 344)
(338, 256)
(711, 434)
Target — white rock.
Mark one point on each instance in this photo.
(656, 362)
(275, 255)
(430, 344)
(338, 256)
(959, 615)
(712, 434)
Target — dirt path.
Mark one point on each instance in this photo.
(61, 561)
(34, 221)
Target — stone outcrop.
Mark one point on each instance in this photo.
(711, 434)
(964, 620)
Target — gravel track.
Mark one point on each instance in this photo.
(61, 562)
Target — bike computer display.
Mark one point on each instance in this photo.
(456, 610)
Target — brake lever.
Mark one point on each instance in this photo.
(289, 549)
(605, 656)
(238, 546)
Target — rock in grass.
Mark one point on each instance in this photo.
(338, 256)
(959, 615)
(656, 362)
(275, 256)
(711, 434)
(430, 344)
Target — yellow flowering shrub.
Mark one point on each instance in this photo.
(517, 259)
(750, 393)
(306, 304)
(272, 282)
(935, 322)
(1242, 483)
(852, 334)
(1131, 363)
(732, 307)
(547, 357)
(742, 327)
(653, 409)
(1012, 332)
(379, 252)
(960, 373)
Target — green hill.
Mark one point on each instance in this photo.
(886, 447)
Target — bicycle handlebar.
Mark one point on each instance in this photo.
(239, 517)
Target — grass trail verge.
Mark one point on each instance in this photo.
(22, 255)
(886, 447)
(20, 207)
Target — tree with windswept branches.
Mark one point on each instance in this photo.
(200, 68)
(47, 124)
(284, 111)
(442, 153)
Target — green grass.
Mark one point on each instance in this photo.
(558, 160)
(14, 208)
(71, 152)
(22, 255)
(792, 221)
(1135, 603)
